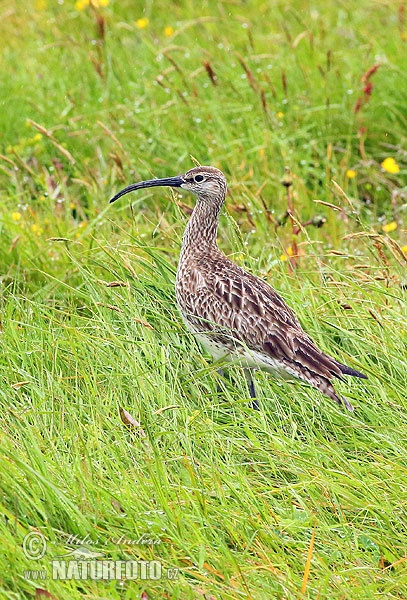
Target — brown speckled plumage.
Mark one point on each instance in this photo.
(233, 313)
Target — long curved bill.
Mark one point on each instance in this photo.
(167, 181)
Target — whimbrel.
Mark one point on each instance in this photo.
(235, 315)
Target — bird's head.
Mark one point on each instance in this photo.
(206, 182)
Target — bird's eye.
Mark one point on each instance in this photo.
(199, 178)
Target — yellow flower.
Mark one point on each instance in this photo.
(81, 4)
(404, 249)
(389, 227)
(35, 228)
(390, 165)
(289, 252)
(40, 4)
(142, 23)
(168, 31)
(16, 216)
(280, 115)
(350, 173)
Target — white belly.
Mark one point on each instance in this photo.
(244, 357)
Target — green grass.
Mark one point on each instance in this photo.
(300, 500)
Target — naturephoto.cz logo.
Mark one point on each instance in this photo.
(83, 564)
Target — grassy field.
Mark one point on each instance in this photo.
(301, 499)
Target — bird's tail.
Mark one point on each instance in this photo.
(345, 402)
(349, 371)
(326, 387)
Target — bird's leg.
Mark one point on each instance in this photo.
(220, 372)
(252, 390)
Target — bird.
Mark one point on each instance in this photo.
(235, 315)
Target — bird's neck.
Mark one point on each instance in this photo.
(201, 230)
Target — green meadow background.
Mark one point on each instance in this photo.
(115, 440)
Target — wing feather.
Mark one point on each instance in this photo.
(220, 298)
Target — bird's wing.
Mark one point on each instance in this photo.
(225, 301)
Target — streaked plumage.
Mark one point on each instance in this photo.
(234, 314)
